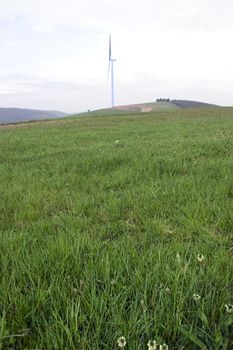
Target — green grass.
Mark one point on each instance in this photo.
(90, 230)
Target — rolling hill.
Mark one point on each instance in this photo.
(191, 104)
(163, 105)
(13, 115)
(148, 107)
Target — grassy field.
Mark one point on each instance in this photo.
(102, 221)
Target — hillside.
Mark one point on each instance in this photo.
(12, 115)
(191, 104)
(117, 226)
(165, 105)
(131, 109)
(148, 107)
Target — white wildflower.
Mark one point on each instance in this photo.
(229, 308)
(81, 283)
(200, 257)
(152, 345)
(143, 305)
(121, 342)
(196, 297)
(163, 347)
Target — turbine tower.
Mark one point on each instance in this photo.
(110, 66)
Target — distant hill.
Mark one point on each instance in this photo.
(162, 105)
(147, 107)
(191, 104)
(131, 109)
(159, 106)
(13, 115)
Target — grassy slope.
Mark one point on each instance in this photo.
(131, 109)
(192, 104)
(90, 228)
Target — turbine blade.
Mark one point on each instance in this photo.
(110, 49)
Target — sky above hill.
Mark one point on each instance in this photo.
(54, 53)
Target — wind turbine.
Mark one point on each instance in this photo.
(110, 66)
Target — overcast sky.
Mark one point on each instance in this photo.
(54, 53)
